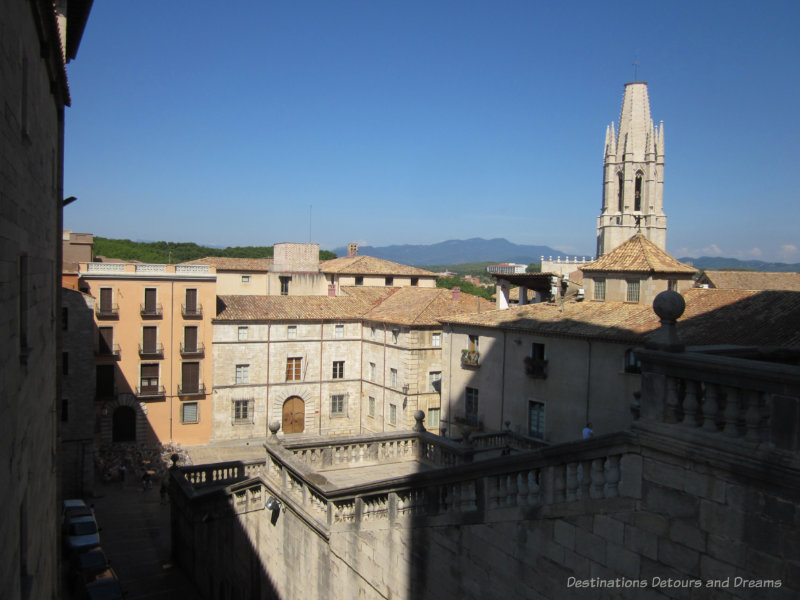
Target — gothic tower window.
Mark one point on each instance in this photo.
(637, 203)
(620, 191)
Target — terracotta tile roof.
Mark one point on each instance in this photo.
(224, 263)
(290, 308)
(638, 255)
(368, 265)
(403, 306)
(424, 306)
(748, 318)
(750, 280)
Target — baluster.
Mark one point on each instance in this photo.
(572, 482)
(598, 478)
(710, 407)
(690, 404)
(533, 487)
(752, 417)
(522, 489)
(502, 492)
(494, 492)
(731, 413)
(455, 501)
(586, 479)
(671, 408)
(612, 476)
(558, 484)
(511, 486)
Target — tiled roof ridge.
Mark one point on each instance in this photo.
(434, 298)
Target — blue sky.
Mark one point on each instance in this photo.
(420, 121)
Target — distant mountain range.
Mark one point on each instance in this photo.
(454, 252)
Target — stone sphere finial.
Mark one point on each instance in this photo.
(669, 307)
(419, 417)
(174, 458)
(274, 427)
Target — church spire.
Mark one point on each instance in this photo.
(633, 175)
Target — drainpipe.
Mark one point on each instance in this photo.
(267, 407)
(503, 383)
(361, 381)
(171, 356)
(588, 379)
(383, 400)
(319, 404)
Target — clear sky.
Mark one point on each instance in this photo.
(418, 121)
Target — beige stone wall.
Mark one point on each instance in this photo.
(649, 286)
(300, 284)
(380, 281)
(586, 381)
(242, 283)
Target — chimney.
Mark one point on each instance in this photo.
(456, 294)
(352, 249)
(331, 290)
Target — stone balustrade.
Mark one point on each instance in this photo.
(220, 474)
(754, 403)
(532, 480)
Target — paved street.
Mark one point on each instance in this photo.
(136, 537)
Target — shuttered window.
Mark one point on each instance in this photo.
(293, 368)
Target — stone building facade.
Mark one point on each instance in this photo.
(153, 344)
(37, 38)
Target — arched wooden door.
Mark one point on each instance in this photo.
(123, 424)
(294, 415)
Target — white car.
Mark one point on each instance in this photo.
(80, 532)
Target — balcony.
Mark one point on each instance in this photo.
(470, 358)
(151, 391)
(106, 351)
(193, 350)
(197, 389)
(151, 312)
(108, 311)
(192, 312)
(151, 351)
(536, 367)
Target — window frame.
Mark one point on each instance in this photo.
(242, 374)
(338, 405)
(184, 406)
(291, 332)
(295, 363)
(599, 289)
(337, 371)
(540, 432)
(338, 331)
(393, 378)
(633, 292)
(371, 406)
(242, 333)
(436, 339)
(392, 414)
(242, 411)
(471, 405)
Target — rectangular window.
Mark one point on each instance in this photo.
(359, 280)
(243, 333)
(64, 409)
(242, 412)
(189, 412)
(245, 278)
(672, 285)
(536, 364)
(393, 377)
(372, 371)
(474, 344)
(436, 340)
(150, 301)
(389, 281)
(338, 369)
(191, 302)
(293, 368)
(291, 332)
(393, 414)
(536, 419)
(395, 335)
(148, 381)
(242, 373)
(65, 363)
(433, 418)
(285, 279)
(633, 290)
(190, 339)
(149, 340)
(337, 405)
(372, 332)
(471, 406)
(106, 341)
(435, 381)
(106, 295)
(599, 289)
(338, 332)
(371, 406)
(415, 281)
(190, 377)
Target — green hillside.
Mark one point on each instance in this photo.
(178, 252)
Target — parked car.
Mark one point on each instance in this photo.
(80, 532)
(88, 566)
(105, 587)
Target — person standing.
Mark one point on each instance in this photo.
(588, 431)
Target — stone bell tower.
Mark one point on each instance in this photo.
(633, 176)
